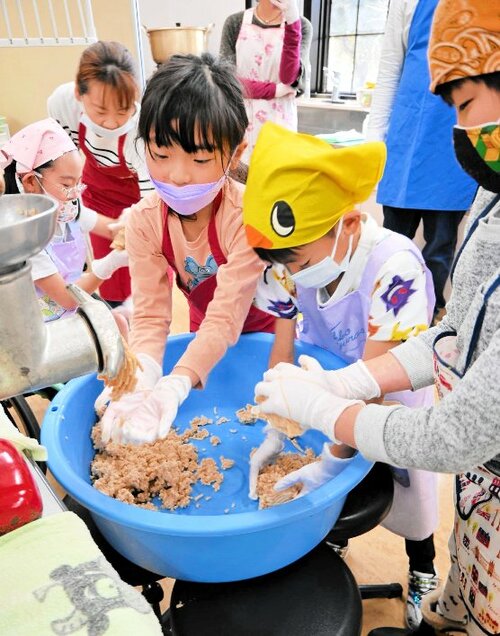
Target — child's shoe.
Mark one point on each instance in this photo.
(432, 616)
(419, 584)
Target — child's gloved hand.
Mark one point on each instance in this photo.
(289, 8)
(282, 90)
(272, 446)
(105, 267)
(316, 474)
(351, 382)
(145, 416)
(146, 379)
(303, 399)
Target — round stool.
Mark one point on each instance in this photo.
(315, 595)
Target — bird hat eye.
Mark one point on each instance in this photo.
(282, 219)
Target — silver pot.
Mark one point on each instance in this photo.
(169, 41)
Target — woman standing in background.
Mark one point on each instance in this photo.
(269, 45)
(100, 113)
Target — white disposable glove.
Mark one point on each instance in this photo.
(303, 399)
(270, 448)
(120, 222)
(105, 267)
(146, 379)
(145, 416)
(282, 90)
(316, 474)
(289, 8)
(352, 382)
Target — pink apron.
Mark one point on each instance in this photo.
(342, 328)
(258, 57)
(68, 255)
(477, 494)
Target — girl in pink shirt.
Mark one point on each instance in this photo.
(193, 123)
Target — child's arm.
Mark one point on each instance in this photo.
(283, 346)
(54, 285)
(151, 291)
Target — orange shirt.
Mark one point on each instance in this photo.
(152, 293)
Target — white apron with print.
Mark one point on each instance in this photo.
(477, 521)
(258, 58)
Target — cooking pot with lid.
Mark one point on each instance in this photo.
(167, 41)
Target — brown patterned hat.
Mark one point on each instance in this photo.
(464, 41)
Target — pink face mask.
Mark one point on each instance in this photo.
(189, 199)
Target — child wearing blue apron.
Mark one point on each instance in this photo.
(360, 289)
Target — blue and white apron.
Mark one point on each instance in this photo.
(421, 170)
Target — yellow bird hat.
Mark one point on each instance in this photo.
(298, 186)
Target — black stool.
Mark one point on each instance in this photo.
(365, 507)
(317, 595)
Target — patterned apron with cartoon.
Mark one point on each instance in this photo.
(68, 254)
(258, 58)
(342, 328)
(477, 528)
(110, 189)
(200, 296)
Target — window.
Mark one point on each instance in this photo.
(355, 41)
(46, 23)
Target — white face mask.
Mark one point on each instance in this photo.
(327, 270)
(108, 133)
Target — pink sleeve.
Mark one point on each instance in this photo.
(255, 89)
(290, 55)
(226, 313)
(151, 290)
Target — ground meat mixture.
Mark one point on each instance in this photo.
(167, 468)
(270, 474)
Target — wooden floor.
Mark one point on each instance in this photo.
(376, 557)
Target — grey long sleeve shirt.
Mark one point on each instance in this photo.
(462, 430)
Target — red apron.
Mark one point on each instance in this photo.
(109, 190)
(200, 296)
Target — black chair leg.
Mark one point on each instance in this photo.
(388, 590)
(153, 593)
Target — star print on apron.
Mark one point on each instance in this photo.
(477, 492)
(342, 328)
(258, 57)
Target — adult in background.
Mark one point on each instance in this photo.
(423, 180)
(100, 113)
(269, 45)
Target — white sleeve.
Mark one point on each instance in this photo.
(42, 265)
(389, 73)
(63, 106)
(275, 293)
(135, 156)
(87, 219)
(399, 307)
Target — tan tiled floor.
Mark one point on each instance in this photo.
(376, 557)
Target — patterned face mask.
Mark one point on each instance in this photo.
(477, 149)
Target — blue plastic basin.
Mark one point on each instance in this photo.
(226, 538)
